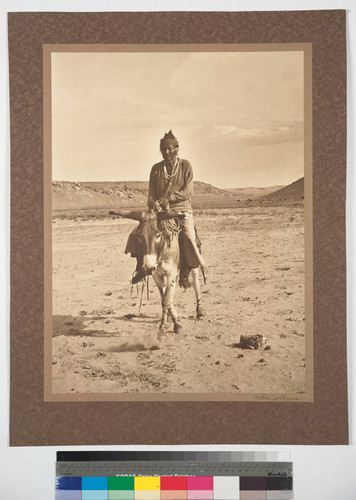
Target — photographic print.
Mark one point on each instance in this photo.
(196, 163)
(178, 270)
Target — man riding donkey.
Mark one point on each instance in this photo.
(171, 188)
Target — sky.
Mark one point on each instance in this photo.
(238, 116)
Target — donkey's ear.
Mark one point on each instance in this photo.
(147, 216)
(134, 215)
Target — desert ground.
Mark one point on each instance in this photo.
(104, 342)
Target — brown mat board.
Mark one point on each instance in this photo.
(36, 422)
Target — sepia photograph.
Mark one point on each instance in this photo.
(178, 223)
(177, 243)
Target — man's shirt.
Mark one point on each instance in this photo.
(178, 189)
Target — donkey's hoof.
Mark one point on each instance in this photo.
(163, 328)
(161, 336)
(200, 312)
(177, 327)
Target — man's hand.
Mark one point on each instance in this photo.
(164, 204)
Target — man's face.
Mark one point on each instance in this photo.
(170, 154)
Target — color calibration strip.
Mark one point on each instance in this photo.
(173, 476)
(174, 488)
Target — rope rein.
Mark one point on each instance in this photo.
(145, 282)
(170, 229)
(143, 287)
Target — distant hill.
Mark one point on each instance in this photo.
(252, 192)
(291, 193)
(93, 195)
(102, 196)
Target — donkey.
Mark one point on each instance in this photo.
(158, 235)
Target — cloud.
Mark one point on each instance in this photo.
(272, 133)
(262, 86)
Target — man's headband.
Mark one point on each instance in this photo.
(168, 140)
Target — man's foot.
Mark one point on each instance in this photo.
(184, 282)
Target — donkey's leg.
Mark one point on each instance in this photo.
(172, 310)
(196, 286)
(169, 299)
(165, 310)
(164, 325)
(161, 285)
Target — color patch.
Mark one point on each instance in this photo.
(69, 494)
(253, 483)
(95, 483)
(253, 495)
(200, 495)
(147, 495)
(147, 483)
(121, 483)
(279, 483)
(173, 494)
(200, 483)
(279, 495)
(173, 483)
(227, 487)
(121, 495)
(68, 483)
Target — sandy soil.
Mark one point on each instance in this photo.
(255, 268)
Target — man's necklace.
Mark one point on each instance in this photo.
(174, 170)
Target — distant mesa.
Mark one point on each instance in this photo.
(68, 195)
(125, 194)
(292, 193)
(253, 193)
(103, 196)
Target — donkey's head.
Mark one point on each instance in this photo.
(149, 233)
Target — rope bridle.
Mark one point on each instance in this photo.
(169, 229)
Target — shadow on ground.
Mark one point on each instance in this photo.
(73, 326)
